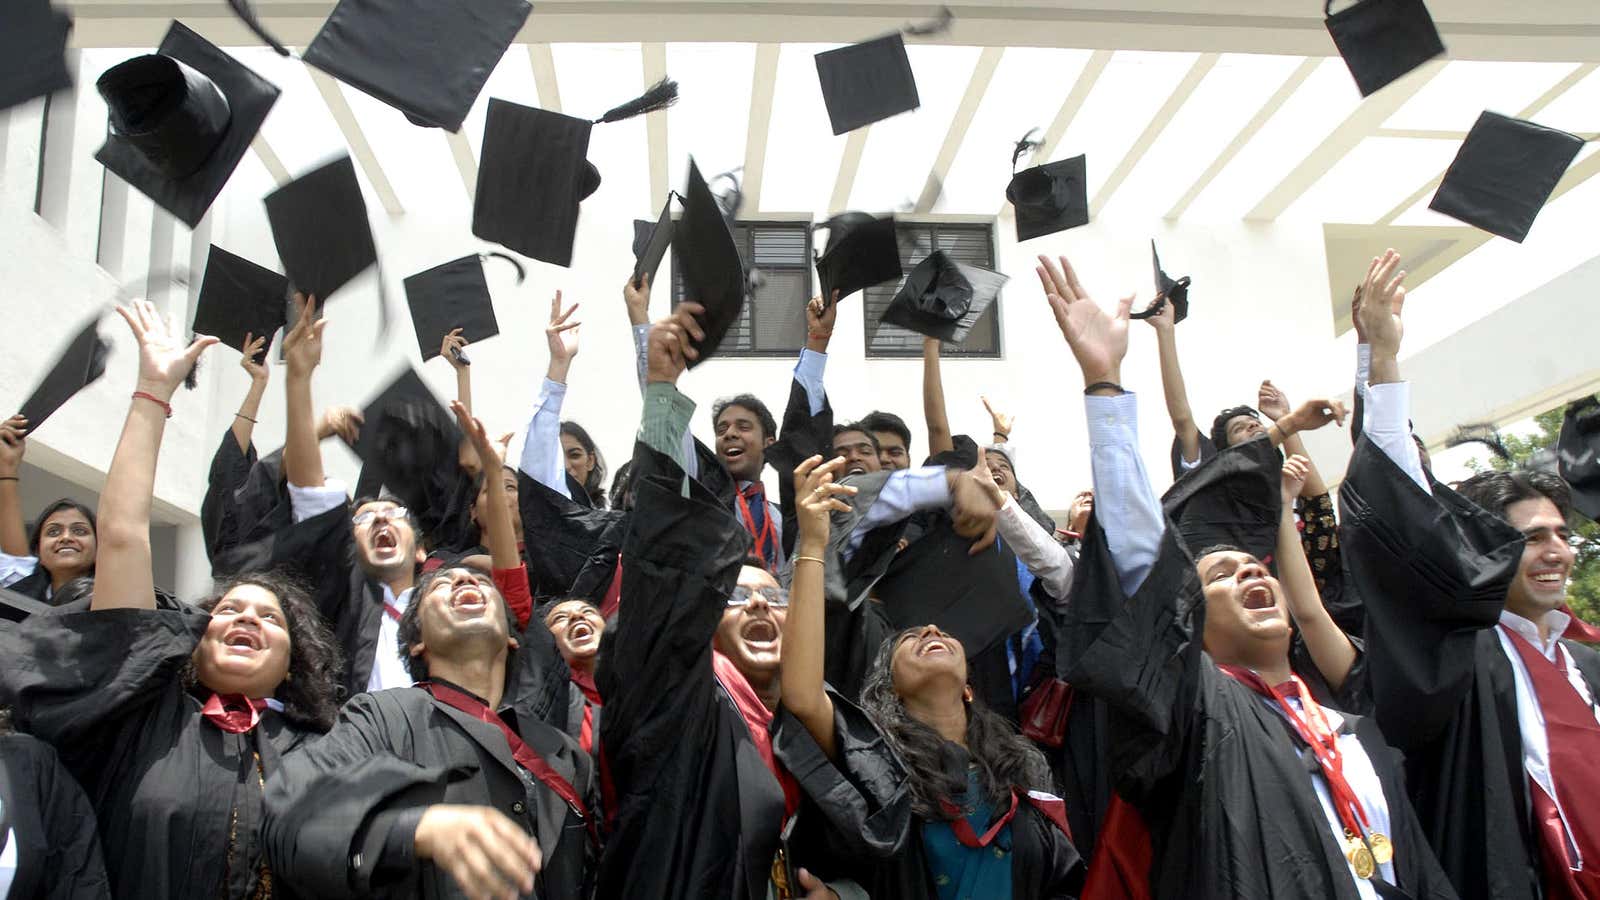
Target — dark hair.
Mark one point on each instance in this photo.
(37, 531)
(1495, 491)
(1219, 425)
(769, 425)
(542, 611)
(877, 420)
(595, 484)
(410, 626)
(310, 691)
(622, 487)
(1006, 760)
(858, 427)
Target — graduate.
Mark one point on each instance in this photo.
(40, 561)
(172, 719)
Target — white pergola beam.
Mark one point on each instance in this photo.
(655, 124)
(849, 164)
(270, 159)
(356, 139)
(1081, 87)
(966, 111)
(1202, 66)
(544, 76)
(763, 86)
(466, 162)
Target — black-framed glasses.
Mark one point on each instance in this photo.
(777, 598)
(372, 515)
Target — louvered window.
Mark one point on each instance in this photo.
(971, 243)
(774, 318)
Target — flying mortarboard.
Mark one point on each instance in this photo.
(1578, 453)
(861, 252)
(238, 297)
(450, 296)
(1233, 501)
(1382, 40)
(532, 173)
(1050, 198)
(181, 119)
(79, 365)
(404, 430)
(871, 81)
(713, 274)
(33, 48)
(943, 298)
(650, 243)
(1504, 173)
(319, 223)
(1166, 290)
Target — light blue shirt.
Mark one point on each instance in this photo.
(541, 449)
(1124, 503)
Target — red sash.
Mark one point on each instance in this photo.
(758, 721)
(233, 713)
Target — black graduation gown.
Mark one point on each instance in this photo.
(246, 502)
(330, 810)
(35, 585)
(572, 547)
(697, 813)
(1215, 774)
(1434, 572)
(52, 825)
(106, 690)
(856, 820)
(801, 436)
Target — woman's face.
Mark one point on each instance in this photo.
(926, 661)
(580, 462)
(245, 649)
(67, 544)
(480, 507)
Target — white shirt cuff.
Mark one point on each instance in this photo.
(15, 568)
(310, 502)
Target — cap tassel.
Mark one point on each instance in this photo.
(934, 26)
(241, 8)
(522, 274)
(1023, 146)
(1485, 434)
(661, 95)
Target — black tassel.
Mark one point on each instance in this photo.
(1023, 146)
(661, 95)
(522, 274)
(241, 8)
(934, 26)
(1485, 434)
(192, 380)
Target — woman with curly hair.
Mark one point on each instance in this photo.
(956, 804)
(171, 719)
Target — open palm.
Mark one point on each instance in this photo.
(562, 334)
(1099, 340)
(164, 357)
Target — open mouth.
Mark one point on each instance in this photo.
(242, 640)
(760, 634)
(1548, 580)
(855, 469)
(730, 451)
(1257, 595)
(385, 539)
(580, 631)
(468, 598)
(934, 645)
(65, 549)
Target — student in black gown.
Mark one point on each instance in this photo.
(452, 787)
(578, 627)
(957, 804)
(49, 846)
(1250, 788)
(171, 719)
(61, 545)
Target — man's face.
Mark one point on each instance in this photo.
(741, 443)
(461, 614)
(1242, 428)
(578, 627)
(1000, 471)
(751, 631)
(384, 539)
(857, 450)
(892, 452)
(1244, 606)
(1547, 558)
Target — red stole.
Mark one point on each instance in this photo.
(758, 721)
(233, 713)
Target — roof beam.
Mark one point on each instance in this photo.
(763, 85)
(655, 124)
(1087, 77)
(544, 76)
(966, 111)
(1246, 134)
(1202, 66)
(269, 158)
(849, 163)
(1356, 127)
(360, 148)
(466, 162)
(1529, 111)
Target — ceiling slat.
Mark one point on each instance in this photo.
(544, 76)
(977, 87)
(849, 164)
(466, 163)
(655, 124)
(360, 147)
(269, 158)
(763, 86)
(1158, 123)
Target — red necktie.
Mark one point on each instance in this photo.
(1574, 739)
(758, 521)
(233, 713)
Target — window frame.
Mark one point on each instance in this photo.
(947, 350)
(743, 234)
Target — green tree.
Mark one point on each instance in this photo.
(1583, 591)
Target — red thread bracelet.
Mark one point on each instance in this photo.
(141, 395)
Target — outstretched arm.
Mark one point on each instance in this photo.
(1172, 385)
(453, 348)
(541, 449)
(302, 350)
(13, 443)
(1329, 646)
(244, 421)
(1388, 398)
(940, 439)
(1274, 404)
(817, 496)
(123, 578)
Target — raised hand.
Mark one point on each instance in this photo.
(13, 445)
(344, 421)
(486, 853)
(302, 344)
(816, 496)
(813, 887)
(983, 478)
(253, 346)
(476, 436)
(451, 348)
(637, 299)
(562, 334)
(1383, 295)
(1311, 415)
(820, 318)
(1272, 402)
(165, 359)
(1296, 469)
(1078, 512)
(1099, 340)
(1165, 318)
(1355, 316)
(1003, 422)
(972, 508)
(671, 345)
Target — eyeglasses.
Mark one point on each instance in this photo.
(777, 598)
(371, 515)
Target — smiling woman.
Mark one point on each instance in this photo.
(59, 547)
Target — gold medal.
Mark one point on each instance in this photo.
(1382, 850)
(1360, 857)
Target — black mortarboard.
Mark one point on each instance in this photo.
(1504, 173)
(81, 362)
(319, 223)
(532, 173)
(450, 296)
(427, 58)
(867, 82)
(650, 243)
(1166, 290)
(943, 298)
(1050, 198)
(1382, 40)
(1233, 500)
(181, 119)
(1578, 450)
(861, 252)
(713, 273)
(238, 297)
(405, 432)
(33, 48)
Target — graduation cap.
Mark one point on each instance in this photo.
(33, 48)
(181, 119)
(1050, 198)
(861, 252)
(532, 173)
(319, 223)
(713, 273)
(1233, 501)
(871, 81)
(943, 298)
(650, 243)
(405, 432)
(427, 58)
(79, 365)
(1382, 40)
(1504, 172)
(1166, 289)
(1578, 452)
(450, 296)
(238, 297)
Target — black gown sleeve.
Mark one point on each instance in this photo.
(800, 437)
(230, 468)
(71, 867)
(1433, 571)
(572, 548)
